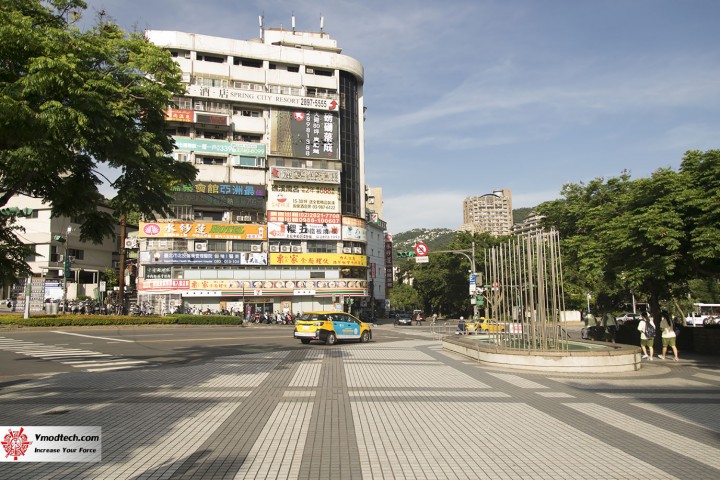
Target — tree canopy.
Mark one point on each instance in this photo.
(651, 236)
(71, 101)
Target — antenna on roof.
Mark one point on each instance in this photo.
(293, 21)
(322, 22)
(260, 21)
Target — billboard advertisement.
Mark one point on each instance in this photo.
(307, 217)
(221, 147)
(303, 198)
(249, 288)
(202, 230)
(308, 175)
(318, 259)
(303, 231)
(263, 98)
(176, 115)
(304, 134)
(203, 258)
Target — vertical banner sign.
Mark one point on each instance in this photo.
(304, 134)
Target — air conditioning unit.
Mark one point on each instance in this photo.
(116, 263)
(309, 70)
(256, 248)
(130, 243)
(239, 218)
(297, 249)
(357, 249)
(247, 218)
(71, 258)
(186, 76)
(200, 247)
(274, 248)
(285, 248)
(347, 250)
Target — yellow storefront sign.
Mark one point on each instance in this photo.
(220, 231)
(319, 259)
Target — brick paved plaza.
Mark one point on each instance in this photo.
(403, 409)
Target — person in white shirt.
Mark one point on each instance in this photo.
(645, 343)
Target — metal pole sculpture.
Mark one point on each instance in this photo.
(524, 292)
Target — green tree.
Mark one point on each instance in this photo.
(73, 100)
(404, 297)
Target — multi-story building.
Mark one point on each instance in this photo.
(276, 219)
(377, 253)
(63, 265)
(490, 213)
(530, 226)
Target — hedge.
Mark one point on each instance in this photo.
(43, 320)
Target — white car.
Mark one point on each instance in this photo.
(695, 319)
(627, 318)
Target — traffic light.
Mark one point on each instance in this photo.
(405, 254)
(59, 238)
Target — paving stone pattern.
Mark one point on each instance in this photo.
(404, 409)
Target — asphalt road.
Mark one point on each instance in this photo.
(31, 352)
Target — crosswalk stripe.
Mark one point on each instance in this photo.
(86, 360)
(102, 364)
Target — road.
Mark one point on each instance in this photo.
(30, 352)
(223, 402)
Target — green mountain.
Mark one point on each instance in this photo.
(435, 238)
(520, 214)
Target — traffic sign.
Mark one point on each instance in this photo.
(422, 259)
(421, 249)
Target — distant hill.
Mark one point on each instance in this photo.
(520, 214)
(436, 239)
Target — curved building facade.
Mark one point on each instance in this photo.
(275, 221)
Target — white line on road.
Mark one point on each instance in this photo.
(91, 336)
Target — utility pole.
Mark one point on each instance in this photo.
(66, 270)
(121, 276)
(471, 259)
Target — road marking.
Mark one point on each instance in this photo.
(221, 338)
(92, 336)
(71, 356)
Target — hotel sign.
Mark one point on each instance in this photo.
(202, 230)
(264, 98)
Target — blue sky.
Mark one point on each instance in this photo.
(466, 97)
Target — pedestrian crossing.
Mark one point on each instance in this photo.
(86, 360)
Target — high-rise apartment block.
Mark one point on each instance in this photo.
(276, 219)
(490, 213)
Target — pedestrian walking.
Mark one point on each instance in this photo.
(461, 326)
(647, 335)
(610, 325)
(668, 337)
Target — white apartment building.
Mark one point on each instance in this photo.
(276, 219)
(491, 213)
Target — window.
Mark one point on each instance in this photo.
(183, 103)
(77, 253)
(323, 73)
(256, 162)
(217, 246)
(199, 160)
(210, 134)
(247, 62)
(208, 216)
(211, 82)
(321, 247)
(247, 113)
(204, 57)
(245, 137)
(293, 68)
(180, 131)
(180, 212)
(249, 86)
(181, 157)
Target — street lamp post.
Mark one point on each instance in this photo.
(66, 270)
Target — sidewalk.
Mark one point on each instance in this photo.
(401, 409)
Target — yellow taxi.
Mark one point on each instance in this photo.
(331, 327)
(484, 325)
